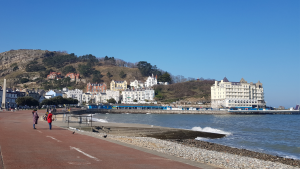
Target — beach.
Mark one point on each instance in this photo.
(186, 148)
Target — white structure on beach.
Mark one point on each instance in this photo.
(151, 81)
(237, 94)
(129, 96)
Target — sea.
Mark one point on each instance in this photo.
(271, 134)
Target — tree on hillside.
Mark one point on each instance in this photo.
(109, 60)
(14, 66)
(122, 74)
(156, 71)
(108, 74)
(69, 69)
(97, 76)
(85, 70)
(24, 80)
(66, 81)
(91, 59)
(166, 77)
(145, 68)
(33, 66)
(59, 61)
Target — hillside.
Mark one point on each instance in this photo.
(29, 69)
(13, 68)
(192, 92)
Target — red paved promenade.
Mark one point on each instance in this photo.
(24, 147)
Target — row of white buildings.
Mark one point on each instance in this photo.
(139, 92)
(128, 96)
(96, 93)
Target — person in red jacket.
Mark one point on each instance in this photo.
(49, 119)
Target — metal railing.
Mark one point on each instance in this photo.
(81, 120)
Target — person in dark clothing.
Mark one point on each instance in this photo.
(35, 118)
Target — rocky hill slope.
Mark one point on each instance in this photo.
(20, 58)
(14, 67)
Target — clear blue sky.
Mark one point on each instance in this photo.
(254, 39)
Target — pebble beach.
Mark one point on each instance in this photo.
(215, 158)
(195, 150)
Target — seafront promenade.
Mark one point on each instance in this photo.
(23, 147)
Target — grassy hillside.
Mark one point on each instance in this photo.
(193, 91)
(34, 65)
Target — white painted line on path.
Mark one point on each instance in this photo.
(39, 131)
(54, 138)
(79, 163)
(77, 149)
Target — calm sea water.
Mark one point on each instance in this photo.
(271, 134)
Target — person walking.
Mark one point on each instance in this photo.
(35, 118)
(49, 119)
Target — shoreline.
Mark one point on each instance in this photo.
(194, 147)
(215, 158)
(211, 157)
(208, 112)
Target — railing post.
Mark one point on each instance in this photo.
(68, 121)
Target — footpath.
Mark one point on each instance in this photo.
(21, 146)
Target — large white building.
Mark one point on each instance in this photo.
(151, 81)
(74, 94)
(140, 95)
(237, 94)
(97, 98)
(104, 97)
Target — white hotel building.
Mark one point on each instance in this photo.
(225, 94)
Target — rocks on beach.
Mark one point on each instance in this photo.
(201, 151)
(191, 149)
(216, 158)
